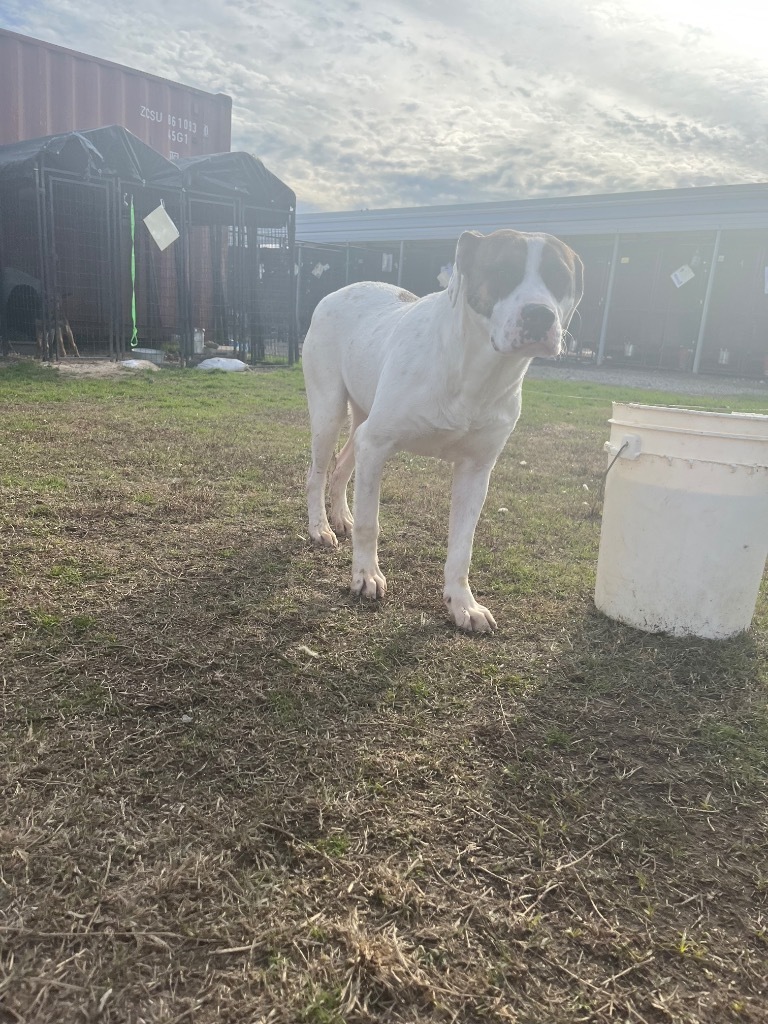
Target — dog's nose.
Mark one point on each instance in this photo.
(536, 321)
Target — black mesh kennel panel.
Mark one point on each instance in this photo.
(80, 278)
(270, 299)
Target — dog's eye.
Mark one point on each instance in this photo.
(556, 275)
(481, 299)
(500, 280)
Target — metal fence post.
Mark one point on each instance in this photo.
(707, 299)
(608, 297)
(299, 259)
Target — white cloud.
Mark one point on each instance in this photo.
(440, 101)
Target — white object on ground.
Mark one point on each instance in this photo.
(138, 364)
(220, 363)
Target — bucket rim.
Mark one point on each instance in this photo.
(756, 417)
(665, 428)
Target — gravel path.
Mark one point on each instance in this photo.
(652, 380)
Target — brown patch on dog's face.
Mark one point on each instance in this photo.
(561, 270)
(493, 266)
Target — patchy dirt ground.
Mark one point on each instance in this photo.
(230, 793)
(101, 367)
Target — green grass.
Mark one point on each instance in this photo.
(233, 793)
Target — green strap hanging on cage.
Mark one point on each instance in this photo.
(134, 331)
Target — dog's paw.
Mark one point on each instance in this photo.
(324, 536)
(370, 584)
(342, 526)
(468, 614)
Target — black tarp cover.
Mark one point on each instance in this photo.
(116, 152)
(235, 175)
(130, 158)
(100, 152)
(71, 152)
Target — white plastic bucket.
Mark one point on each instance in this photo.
(684, 538)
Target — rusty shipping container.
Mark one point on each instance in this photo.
(46, 89)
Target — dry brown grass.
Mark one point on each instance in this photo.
(230, 793)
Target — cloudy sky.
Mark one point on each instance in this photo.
(361, 103)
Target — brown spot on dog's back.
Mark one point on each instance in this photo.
(405, 296)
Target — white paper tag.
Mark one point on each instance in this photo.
(445, 275)
(161, 227)
(682, 275)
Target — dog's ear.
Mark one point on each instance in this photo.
(466, 248)
(578, 285)
(454, 286)
(465, 254)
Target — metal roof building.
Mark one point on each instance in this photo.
(730, 207)
(675, 278)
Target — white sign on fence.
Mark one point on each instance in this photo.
(161, 227)
(682, 275)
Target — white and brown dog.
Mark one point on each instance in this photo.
(440, 376)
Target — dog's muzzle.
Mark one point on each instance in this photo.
(535, 322)
(535, 328)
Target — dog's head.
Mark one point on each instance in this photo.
(525, 287)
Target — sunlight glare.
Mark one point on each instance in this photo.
(737, 25)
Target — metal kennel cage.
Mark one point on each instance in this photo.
(81, 273)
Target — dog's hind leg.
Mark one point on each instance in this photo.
(327, 414)
(341, 517)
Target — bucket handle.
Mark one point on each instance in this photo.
(614, 450)
(630, 444)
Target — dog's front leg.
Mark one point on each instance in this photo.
(370, 456)
(470, 486)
